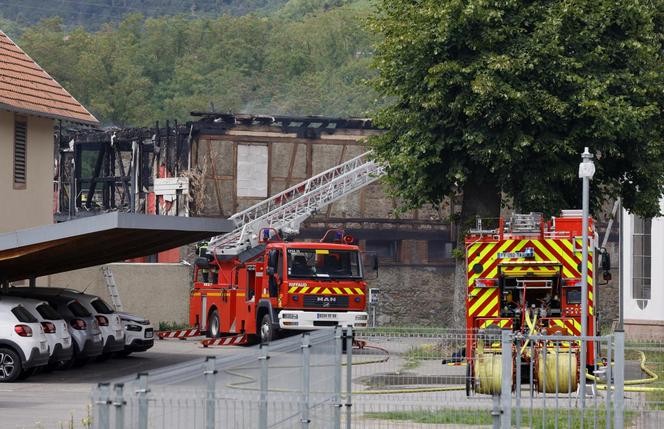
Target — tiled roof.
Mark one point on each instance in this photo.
(25, 87)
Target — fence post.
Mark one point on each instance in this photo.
(262, 413)
(210, 376)
(103, 402)
(306, 361)
(349, 375)
(506, 385)
(619, 380)
(142, 393)
(119, 404)
(338, 351)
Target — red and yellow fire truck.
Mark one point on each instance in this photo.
(283, 286)
(526, 276)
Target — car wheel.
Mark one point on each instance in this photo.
(266, 331)
(10, 365)
(213, 330)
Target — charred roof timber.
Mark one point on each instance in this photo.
(310, 127)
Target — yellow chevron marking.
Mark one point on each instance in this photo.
(487, 323)
(326, 291)
(359, 291)
(562, 255)
(504, 323)
(518, 248)
(479, 299)
(491, 309)
(337, 290)
(490, 248)
(495, 249)
(304, 289)
(315, 290)
(292, 290)
(348, 291)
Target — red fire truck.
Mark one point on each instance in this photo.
(252, 283)
(526, 276)
(287, 286)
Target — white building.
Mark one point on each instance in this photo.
(643, 276)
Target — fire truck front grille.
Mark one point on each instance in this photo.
(325, 301)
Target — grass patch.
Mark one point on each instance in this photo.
(567, 419)
(415, 355)
(171, 326)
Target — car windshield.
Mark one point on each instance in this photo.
(23, 315)
(78, 310)
(48, 312)
(101, 307)
(323, 263)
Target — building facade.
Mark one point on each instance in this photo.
(31, 103)
(643, 294)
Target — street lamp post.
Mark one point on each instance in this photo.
(586, 172)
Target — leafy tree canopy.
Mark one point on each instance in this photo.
(142, 70)
(505, 94)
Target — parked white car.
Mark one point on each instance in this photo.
(23, 344)
(56, 330)
(107, 319)
(139, 333)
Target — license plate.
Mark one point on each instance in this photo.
(326, 316)
(149, 334)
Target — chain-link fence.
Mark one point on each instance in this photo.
(403, 378)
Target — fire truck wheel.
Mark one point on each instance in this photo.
(267, 332)
(213, 325)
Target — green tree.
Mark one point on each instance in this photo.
(494, 97)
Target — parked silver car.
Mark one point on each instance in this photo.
(83, 327)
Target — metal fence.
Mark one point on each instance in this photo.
(403, 378)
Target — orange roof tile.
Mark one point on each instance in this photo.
(26, 87)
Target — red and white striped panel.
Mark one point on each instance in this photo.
(226, 341)
(179, 334)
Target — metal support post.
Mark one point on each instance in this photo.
(586, 172)
(621, 271)
(119, 404)
(349, 375)
(103, 403)
(506, 385)
(211, 379)
(619, 380)
(338, 351)
(142, 394)
(262, 413)
(495, 411)
(306, 367)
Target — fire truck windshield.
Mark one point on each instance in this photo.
(323, 263)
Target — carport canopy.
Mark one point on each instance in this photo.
(96, 240)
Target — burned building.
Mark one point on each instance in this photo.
(220, 164)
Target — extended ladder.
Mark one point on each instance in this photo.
(287, 210)
(112, 288)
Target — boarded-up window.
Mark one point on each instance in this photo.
(20, 160)
(251, 171)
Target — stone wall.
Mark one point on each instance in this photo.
(412, 295)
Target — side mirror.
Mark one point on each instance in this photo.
(605, 261)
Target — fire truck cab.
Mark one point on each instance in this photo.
(280, 285)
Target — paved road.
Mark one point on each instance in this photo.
(45, 400)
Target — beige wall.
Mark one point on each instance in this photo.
(32, 206)
(159, 292)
